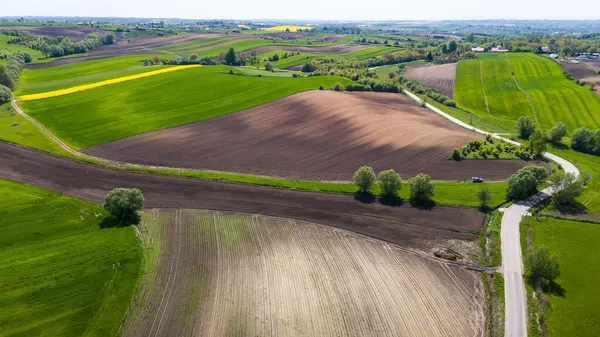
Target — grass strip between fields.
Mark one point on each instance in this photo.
(79, 88)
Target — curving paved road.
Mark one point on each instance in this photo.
(515, 324)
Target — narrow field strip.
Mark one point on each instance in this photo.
(487, 104)
(523, 91)
(79, 88)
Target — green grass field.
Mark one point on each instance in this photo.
(16, 129)
(35, 54)
(62, 77)
(587, 165)
(116, 111)
(576, 244)
(537, 89)
(61, 274)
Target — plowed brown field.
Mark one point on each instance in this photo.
(74, 32)
(403, 225)
(320, 135)
(439, 77)
(585, 70)
(220, 274)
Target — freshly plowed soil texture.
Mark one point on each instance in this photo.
(586, 71)
(319, 135)
(75, 32)
(335, 49)
(226, 274)
(439, 77)
(403, 225)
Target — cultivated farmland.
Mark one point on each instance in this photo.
(585, 71)
(538, 89)
(286, 28)
(320, 135)
(403, 225)
(161, 101)
(440, 77)
(67, 76)
(65, 270)
(217, 274)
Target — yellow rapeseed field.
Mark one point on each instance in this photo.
(78, 88)
(243, 26)
(283, 28)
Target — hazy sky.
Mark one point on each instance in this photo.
(308, 9)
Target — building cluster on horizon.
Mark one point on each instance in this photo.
(497, 49)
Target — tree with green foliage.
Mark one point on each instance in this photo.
(364, 177)
(484, 195)
(230, 57)
(525, 127)
(543, 268)
(456, 155)
(470, 37)
(585, 140)
(124, 204)
(338, 87)
(308, 67)
(537, 144)
(523, 184)
(444, 48)
(558, 131)
(389, 183)
(429, 57)
(566, 188)
(421, 188)
(5, 94)
(109, 38)
(452, 46)
(268, 66)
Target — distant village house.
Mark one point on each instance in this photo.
(478, 49)
(499, 49)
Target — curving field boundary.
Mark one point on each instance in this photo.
(515, 323)
(33, 97)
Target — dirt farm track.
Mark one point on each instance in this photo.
(403, 225)
(224, 274)
(318, 135)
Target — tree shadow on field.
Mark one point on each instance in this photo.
(112, 222)
(574, 208)
(364, 197)
(391, 201)
(423, 204)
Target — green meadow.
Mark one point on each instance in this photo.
(120, 110)
(35, 54)
(572, 313)
(61, 272)
(66, 76)
(15, 128)
(538, 89)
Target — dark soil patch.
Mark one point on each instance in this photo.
(402, 225)
(318, 135)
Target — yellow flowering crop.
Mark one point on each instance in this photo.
(292, 29)
(79, 88)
